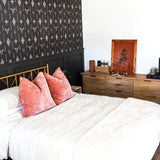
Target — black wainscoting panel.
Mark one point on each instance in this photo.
(71, 62)
(74, 65)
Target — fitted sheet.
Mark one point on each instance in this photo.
(88, 127)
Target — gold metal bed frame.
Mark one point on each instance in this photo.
(13, 79)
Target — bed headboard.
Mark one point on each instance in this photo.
(13, 79)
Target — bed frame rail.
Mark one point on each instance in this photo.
(13, 79)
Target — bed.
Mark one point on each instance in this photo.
(85, 127)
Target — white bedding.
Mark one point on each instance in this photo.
(130, 132)
(6, 126)
(89, 127)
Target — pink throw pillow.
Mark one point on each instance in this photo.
(35, 97)
(59, 86)
(41, 82)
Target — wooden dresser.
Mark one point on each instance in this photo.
(137, 86)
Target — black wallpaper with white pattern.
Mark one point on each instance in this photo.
(36, 28)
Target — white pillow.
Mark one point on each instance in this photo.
(4, 113)
(9, 100)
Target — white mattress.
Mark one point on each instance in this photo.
(89, 127)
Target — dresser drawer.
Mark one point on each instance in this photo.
(117, 86)
(119, 93)
(121, 87)
(94, 84)
(119, 81)
(94, 79)
(147, 89)
(94, 89)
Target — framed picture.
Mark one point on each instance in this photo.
(123, 58)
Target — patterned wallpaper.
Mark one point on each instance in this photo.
(36, 28)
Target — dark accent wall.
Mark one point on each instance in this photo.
(36, 32)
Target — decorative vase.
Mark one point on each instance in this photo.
(92, 65)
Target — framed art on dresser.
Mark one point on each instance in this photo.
(123, 56)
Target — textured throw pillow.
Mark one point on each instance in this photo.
(41, 82)
(59, 86)
(35, 97)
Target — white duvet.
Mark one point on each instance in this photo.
(89, 127)
(6, 126)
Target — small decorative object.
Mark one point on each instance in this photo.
(103, 63)
(102, 69)
(99, 63)
(106, 64)
(92, 65)
(123, 56)
(153, 71)
(117, 74)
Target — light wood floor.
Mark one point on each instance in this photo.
(157, 154)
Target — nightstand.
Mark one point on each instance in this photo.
(77, 89)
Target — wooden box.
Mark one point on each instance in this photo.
(103, 69)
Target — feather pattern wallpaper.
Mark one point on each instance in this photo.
(35, 28)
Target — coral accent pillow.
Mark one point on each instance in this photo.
(59, 86)
(41, 82)
(35, 97)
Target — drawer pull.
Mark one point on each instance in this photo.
(118, 91)
(93, 75)
(118, 78)
(118, 85)
(147, 80)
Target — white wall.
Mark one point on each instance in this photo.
(104, 20)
